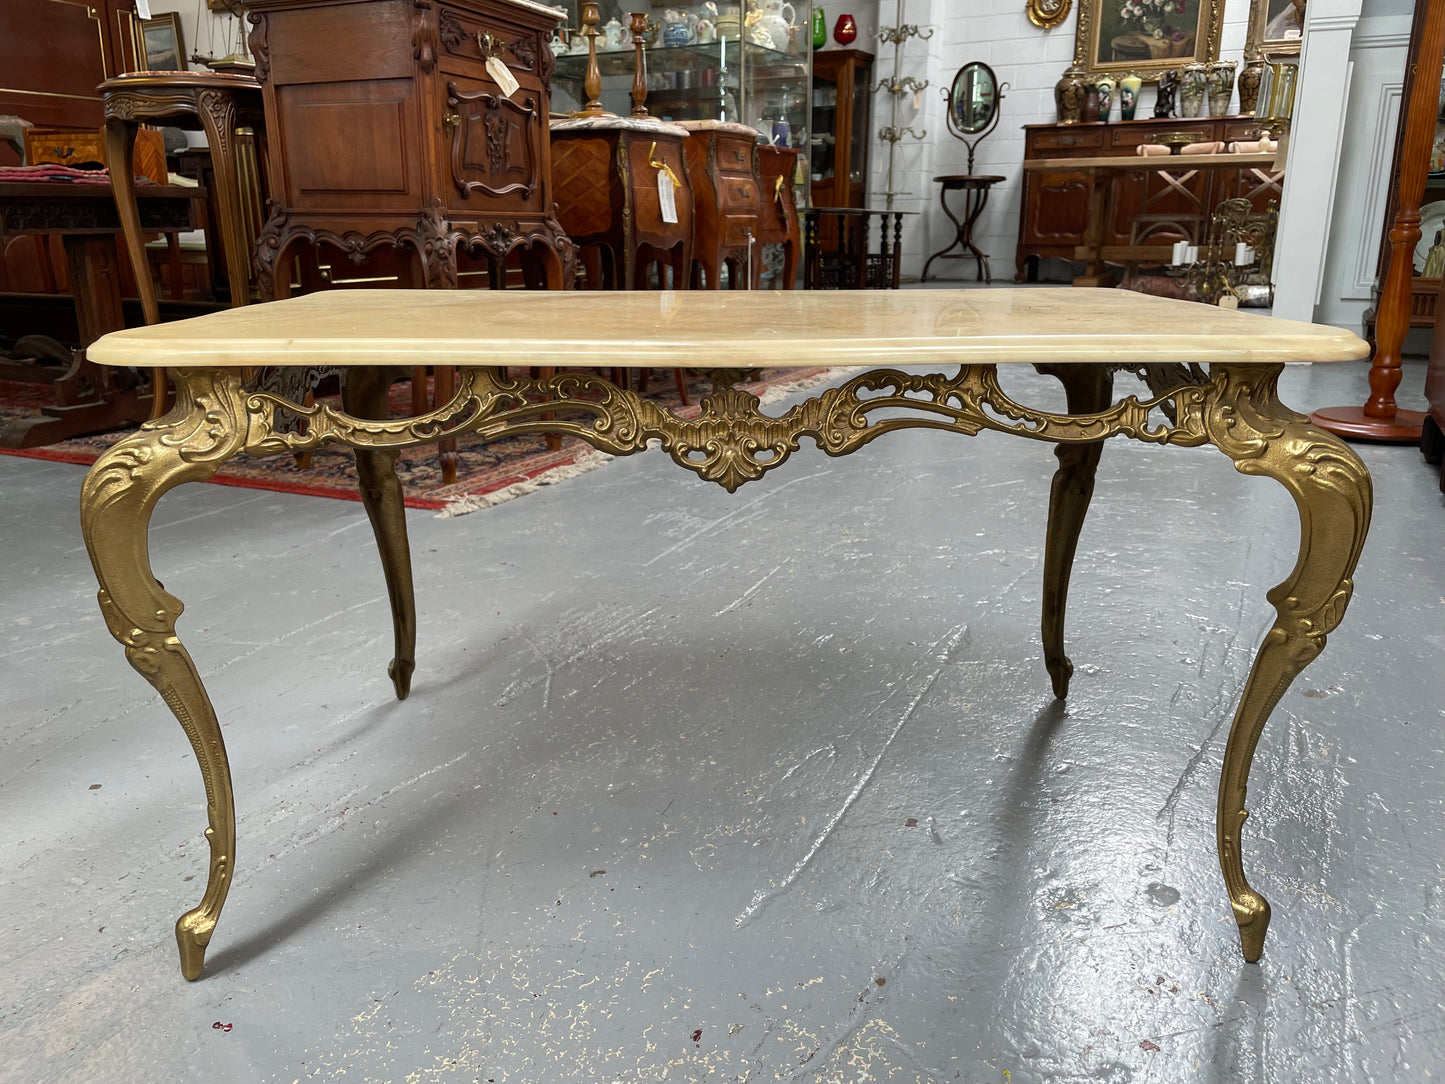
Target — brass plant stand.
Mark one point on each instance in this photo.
(1233, 407)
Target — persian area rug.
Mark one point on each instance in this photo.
(488, 472)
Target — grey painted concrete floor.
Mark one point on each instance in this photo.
(760, 787)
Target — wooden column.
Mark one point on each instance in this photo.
(1380, 419)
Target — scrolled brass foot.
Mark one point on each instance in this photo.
(1251, 911)
(1060, 669)
(400, 672)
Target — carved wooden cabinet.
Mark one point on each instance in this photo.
(388, 131)
(722, 169)
(1055, 207)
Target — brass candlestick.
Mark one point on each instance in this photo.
(592, 83)
(639, 77)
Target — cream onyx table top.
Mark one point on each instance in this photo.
(725, 329)
(1079, 337)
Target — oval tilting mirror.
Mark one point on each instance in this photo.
(973, 104)
(973, 99)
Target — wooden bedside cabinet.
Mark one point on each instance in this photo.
(389, 131)
(722, 167)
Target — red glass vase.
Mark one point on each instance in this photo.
(845, 30)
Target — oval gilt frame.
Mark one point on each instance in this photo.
(1047, 14)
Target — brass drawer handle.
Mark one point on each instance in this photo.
(489, 44)
(662, 166)
(450, 119)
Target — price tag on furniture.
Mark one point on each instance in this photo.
(502, 76)
(667, 195)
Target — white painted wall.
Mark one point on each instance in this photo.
(1031, 61)
(1377, 58)
(207, 32)
(1351, 101)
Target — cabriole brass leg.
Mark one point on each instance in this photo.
(1331, 488)
(1089, 389)
(204, 429)
(363, 395)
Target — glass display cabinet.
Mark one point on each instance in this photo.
(840, 127)
(749, 63)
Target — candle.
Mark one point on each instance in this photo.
(1243, 255)
(722, 51)
(1177, 256)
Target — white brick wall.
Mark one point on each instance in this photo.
(1030, 60)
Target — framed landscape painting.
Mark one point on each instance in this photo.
(164, 48)
(1147, 36)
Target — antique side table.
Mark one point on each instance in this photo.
(958, 337)
(210, 102)
(846, 264)
(722, 171)
(607, 170)
(975, 191)
(88, 398)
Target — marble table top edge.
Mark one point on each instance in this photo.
(726, 329)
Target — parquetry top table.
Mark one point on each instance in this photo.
(1080, 337)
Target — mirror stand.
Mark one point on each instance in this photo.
(972, 105)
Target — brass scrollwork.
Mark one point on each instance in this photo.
(730, 441)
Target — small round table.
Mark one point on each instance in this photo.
(975, 196)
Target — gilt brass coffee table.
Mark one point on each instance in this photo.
(1213, 377)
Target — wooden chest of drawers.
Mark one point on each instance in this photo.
(1055, 207)
(388, 130)
(722, 168)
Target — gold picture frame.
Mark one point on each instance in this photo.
(1047, 14)
(1109, 41)
(1275, 27)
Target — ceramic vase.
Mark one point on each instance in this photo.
(845, 30)
(1089, 111)
(1069, 96)
(1104, 87)
(1129, 95)
(820, 29)
(1164, 94)
(1221, 87)
(1249, 78)
(1193, 87)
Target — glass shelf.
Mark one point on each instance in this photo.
(767, 89)
(688, 58)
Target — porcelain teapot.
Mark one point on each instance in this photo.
(678, 27)
(770, 23)
(614, 36)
